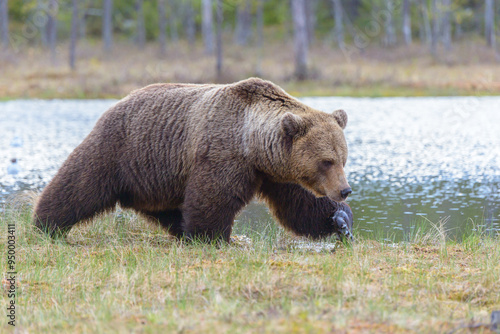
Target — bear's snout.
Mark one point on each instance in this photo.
(335, 185)
(346, 192)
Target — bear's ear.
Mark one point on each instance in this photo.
(341, 117)
(293, 125)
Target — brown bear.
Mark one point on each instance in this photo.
(190, 157)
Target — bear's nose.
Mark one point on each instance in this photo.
(344, 193)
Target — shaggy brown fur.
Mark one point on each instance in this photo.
(192, 156)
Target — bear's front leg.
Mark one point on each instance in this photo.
(215, 193)
(304, 214)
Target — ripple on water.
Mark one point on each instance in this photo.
(410, 159)
(44, 134)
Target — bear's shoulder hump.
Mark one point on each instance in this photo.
(255, 90)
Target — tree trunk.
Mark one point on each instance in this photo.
(4, 23)
(82, 25)
(162, 25)
(42, 28)
(300, 38)
(107, 24)
(52, 27)
(435, 27)
(311, 20)
(172, 20)
(243, 29)
(390, 32)
(260, 23)
(446, 24)
(260, 36)
(190, 25)
(489, 22)
(458, 29)
(407, 22)
(339, 24)
(352, 8)
(219, 39)
(207, 26)
(421, 30)
(74, 34)
(141, 29)
(424, 10)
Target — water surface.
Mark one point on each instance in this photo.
(410, 159)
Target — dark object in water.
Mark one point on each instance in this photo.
(343, 221)
(13, 168)
(495, 321)
(493, 326)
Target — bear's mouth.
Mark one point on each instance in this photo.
(319, 190)
(319, 193)
(315, 191)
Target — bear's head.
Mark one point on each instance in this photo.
(318, 152)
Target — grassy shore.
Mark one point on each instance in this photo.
(470, 68)
(120, 274)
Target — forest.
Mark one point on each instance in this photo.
(226, 40)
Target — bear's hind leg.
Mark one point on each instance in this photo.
(171, 220)
(79, 191)
(57, 214)
(56, 211)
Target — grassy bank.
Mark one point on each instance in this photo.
(120, 274)
(469, 69)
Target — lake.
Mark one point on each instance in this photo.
(411, 160)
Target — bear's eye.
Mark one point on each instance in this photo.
(326, 164)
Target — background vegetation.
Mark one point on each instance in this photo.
(104, 48)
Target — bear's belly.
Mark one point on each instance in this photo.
(155, 201)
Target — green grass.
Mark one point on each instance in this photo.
(121, 274)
